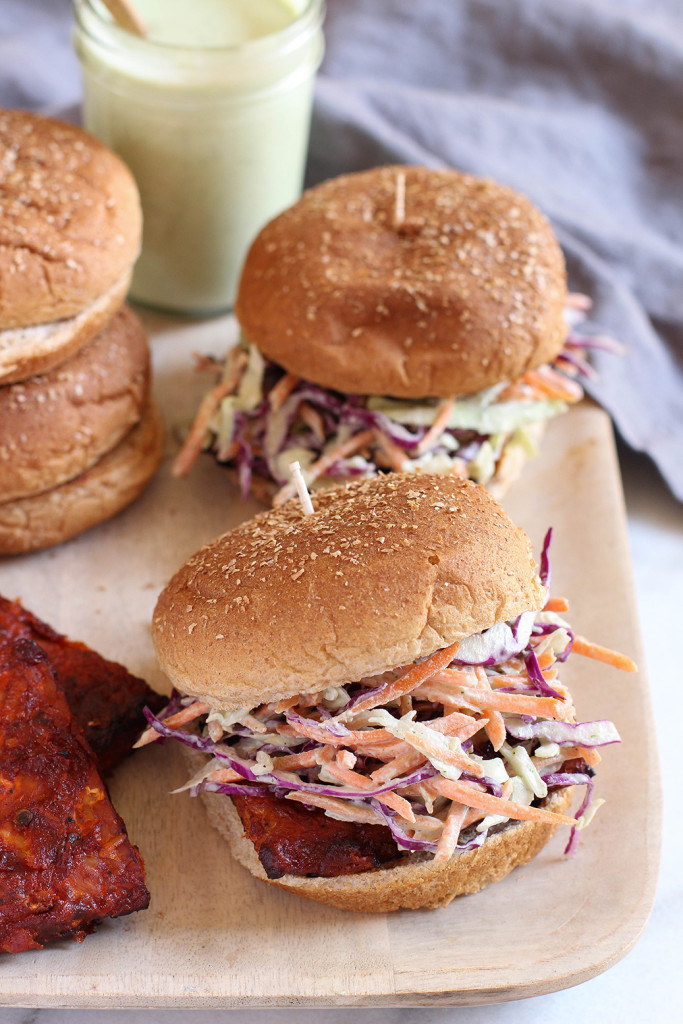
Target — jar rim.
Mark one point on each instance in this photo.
(311, 16)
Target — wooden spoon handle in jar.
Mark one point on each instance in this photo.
(125, 16)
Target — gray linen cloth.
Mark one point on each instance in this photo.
(578, 104)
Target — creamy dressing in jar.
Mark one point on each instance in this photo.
(211, 112)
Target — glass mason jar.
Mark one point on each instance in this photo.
(216, 138)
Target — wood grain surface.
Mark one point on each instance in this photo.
(215, 936)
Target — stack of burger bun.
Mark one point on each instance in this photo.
(79, 437)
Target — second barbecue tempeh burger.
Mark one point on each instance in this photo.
(370, 694)
(396, 319)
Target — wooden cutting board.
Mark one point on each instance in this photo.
(213, 935)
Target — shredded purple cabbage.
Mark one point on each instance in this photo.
(562, 779)
(230, 789)
(491, 785)
(401, 838)
(579, 734)
(174, 704)
(536, 676)
(544, 571)
(331, 725)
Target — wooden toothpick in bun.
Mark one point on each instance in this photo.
(53, 427)
(405, 319)
(352, 687)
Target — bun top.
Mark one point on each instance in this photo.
(70, 219)
(385, 571)
(407, 282)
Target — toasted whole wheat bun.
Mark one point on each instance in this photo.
(70, 220)
(413, 884)
(55, 426)
(408, 282)
(386, 571)
(27, 351)
(42, 520)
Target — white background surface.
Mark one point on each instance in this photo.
(646, 983)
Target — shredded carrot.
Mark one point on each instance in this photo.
(470, 795)
(590, 755)
(316, 469)
(520, 704)
(306, 759)
(610, 657)
(495, 728)
(316, 731)
(407, 762)
(553, 384)
(312, 419)
(556, 604)
(438, 426)
(395, 456)
(224, 775)
(458, 676)
(512, 391)
(345, 758)
(182, 717)
(340, 808)
(495, 700)
(546, 659)
(253, 723)
(456, 724)
(357, 781)
(227, 452)
(407, 682)
(284, 705)
(382, 751)
(342, 451)
(281, 391)
(451, 830)
(208, 406)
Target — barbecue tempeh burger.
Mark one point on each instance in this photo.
(396, 319)
(369, 693)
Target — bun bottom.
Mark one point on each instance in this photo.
(56, 515)
(28, 351)
(415, 883)
(59, 424)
